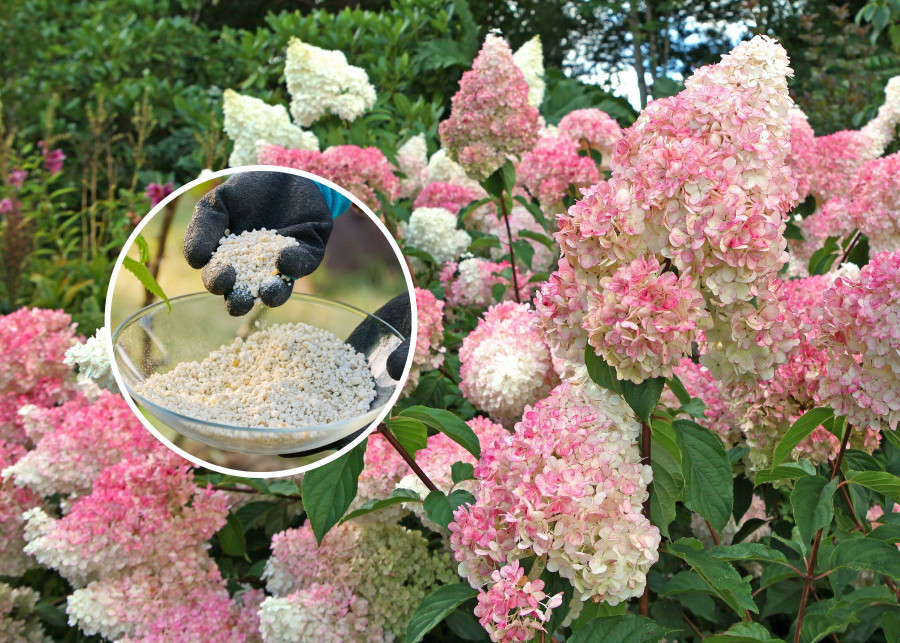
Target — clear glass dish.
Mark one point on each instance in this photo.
(154, 340)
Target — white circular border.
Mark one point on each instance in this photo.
(108, 320)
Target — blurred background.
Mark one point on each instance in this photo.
(359, 269)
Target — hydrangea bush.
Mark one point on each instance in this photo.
(655, 392)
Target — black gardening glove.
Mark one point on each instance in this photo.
(290, 205)
(398, 313)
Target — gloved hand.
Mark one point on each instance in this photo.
(292, 206)
(398, 313)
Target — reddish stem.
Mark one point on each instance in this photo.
(646, 437)
(512, 255)
(392, 440)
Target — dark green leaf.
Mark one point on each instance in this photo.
(447, 423)
(707, 475)
(435, 609)
(328, 490)
(744, 633)
(399, 496)
(695, 408)
(789, 471)
(591, 611)
(821, 259)
(642, 398)
(748, 551)
(882, 482)
(678, 389)
(868, 553)
(813, 507)
(668, 484)
(410, 433)
(460, 471)
(602, 374)
(802, 427)
(231, 537)
(628, 628)
(537, 236)
(719, 574)
(553, 585)
(440, 507)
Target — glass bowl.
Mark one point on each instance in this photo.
(154, 340)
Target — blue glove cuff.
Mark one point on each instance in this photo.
(337, 203)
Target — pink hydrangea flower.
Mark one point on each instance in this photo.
(156, 192)
(553, 169)
(514, 608)
(363, 171)
(561, 305)
(14, 501)
(836, 158)
(801, 158)
(643, 320)
(490, 119)
(429, 352)
(93, 436)
(322, 613)
(875, 206)
(135, 511)
(859, 325)
(505, 364)
(593, 129)
(53, 159)
(382, 471)
(448, 196)
(568, 486)
(33, 342)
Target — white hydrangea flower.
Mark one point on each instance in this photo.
(249, 120)
(434, 231)
(91, 361)
(443, 169)
(530, 60)
(412, 157)
(322, 81)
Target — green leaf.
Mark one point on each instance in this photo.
(789, 471)
(143, 249)
(448, 424)
(524, 252)
(328, 490)
(678, 389)
(882, 482)
(440, 507)
(695, 408)
(821, 260)
(591, 611)
(813, 507)
(642, 398)
(553, 585)
(748, 551)
(668, 483)
(537, 236)
(399, 496)
(744, 633)
(410, 433)
(708, 488)
(602, 374)
(628, 628)
(892, 436)
(802, 427)
(484, 243)
(142, 273)
(534, 210)
(460, 471)
(435, 608)
(503, 179)
(720, 575)
(419, 254)
(231, 537)
(867, 553)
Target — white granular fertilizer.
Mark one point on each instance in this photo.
(253, 254)
(288, 375)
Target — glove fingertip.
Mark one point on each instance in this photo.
(292, 262)
(239, 302)
(396, 361)
(275, 291)
(218, 278)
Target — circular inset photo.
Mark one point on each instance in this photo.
(262, 321)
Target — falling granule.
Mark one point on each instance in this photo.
(288, 375)
(254, 256)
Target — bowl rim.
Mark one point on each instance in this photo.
(230, 427)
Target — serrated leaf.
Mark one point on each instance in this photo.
(460, 471)
(591, 611)
(882, 482)
(744, 633)
(448, 424)
(789, 471)
(399, 496)
(748, 551)
(677, 387)
(435, 608)
(719, 574)
(410, 433)
(867, 553)
(802, 427)
(708, 488)
(142, 274)
(143, 249)
(813, 507)
(328, 490)
(667, 486)
(628, 628)
(695, 408)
